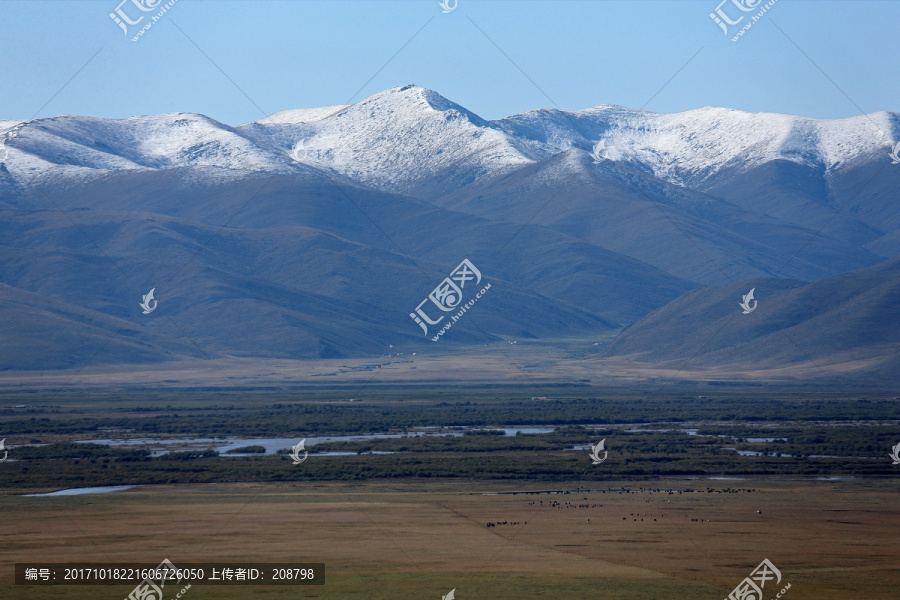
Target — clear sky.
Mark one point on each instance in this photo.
(235, 60)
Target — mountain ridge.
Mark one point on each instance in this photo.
(671, 145)
(314, 233)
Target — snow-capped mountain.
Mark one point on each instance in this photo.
(82, 147)
(315, 232)
(394, 140)
(397, 139)
(690, 148)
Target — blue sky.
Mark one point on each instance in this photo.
(235, 60)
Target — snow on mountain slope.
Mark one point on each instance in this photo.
(402, 137)
(393, 139)
(690, 148)
(67, 146)
(407, 138)
(294, 116)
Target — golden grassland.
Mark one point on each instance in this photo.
(406, 540)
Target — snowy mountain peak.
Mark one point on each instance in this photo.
(394, 140)
(693, 147)
(411, 99)
(81, 146)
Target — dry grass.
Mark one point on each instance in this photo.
(539, 363)
(830, 540)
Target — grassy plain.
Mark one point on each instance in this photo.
(414, 524)
(405, 540)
